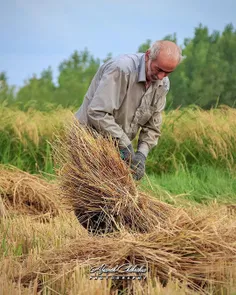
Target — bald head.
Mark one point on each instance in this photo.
(162, 59)
(167, 49)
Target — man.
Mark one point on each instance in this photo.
(128, 94)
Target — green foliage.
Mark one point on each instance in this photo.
(206, 77)
(192, 137)
(195, 157)
(109, 56)
(170, 37)
(25, 138)
(201, 184)
(145, 46)
(37, 93)
(31, 158)
(6, 91)
(76, 74)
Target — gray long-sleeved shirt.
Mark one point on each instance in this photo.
(117, 102)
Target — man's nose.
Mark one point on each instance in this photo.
(161, 75)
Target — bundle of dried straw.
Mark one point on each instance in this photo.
(24, 193)
(100, 187)
(197, 251)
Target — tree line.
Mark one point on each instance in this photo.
(206, 77)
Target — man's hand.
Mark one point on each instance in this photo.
(127, 153)
(138, 165)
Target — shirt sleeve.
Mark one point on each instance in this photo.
(151, 131)
(108, 97)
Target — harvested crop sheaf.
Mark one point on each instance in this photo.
(24, 193)
(100, 187)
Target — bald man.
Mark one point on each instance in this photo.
(128, 94)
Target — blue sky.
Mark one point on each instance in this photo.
(38, 34)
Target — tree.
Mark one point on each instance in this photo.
(76, 73)
(206, 77)
(37, 92)
(109, 56)
(145, 46)
(6, 91)
(227, 52)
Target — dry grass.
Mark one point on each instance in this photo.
(56, 256)
(36, 240)
(32, 125)
(97, 182)
(2, 208)
(193, 249)
(24, 193)
(199, 251)
(189, 136)
(210, 133)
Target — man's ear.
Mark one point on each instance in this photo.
(147, 53)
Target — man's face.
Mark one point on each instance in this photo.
(159, 68)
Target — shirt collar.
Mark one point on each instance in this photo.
(141, 69)
(142, 72)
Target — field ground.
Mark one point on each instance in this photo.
(193, 168)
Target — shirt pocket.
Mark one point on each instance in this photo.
(144, 115)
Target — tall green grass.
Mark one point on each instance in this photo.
(201, 184)
(26, 137)
(190, 137)
(195, 137)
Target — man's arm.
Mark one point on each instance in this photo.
(108, 98)
(151, 131)
(148, 138)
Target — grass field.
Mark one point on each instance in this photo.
(190, 137)
(193, 167)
